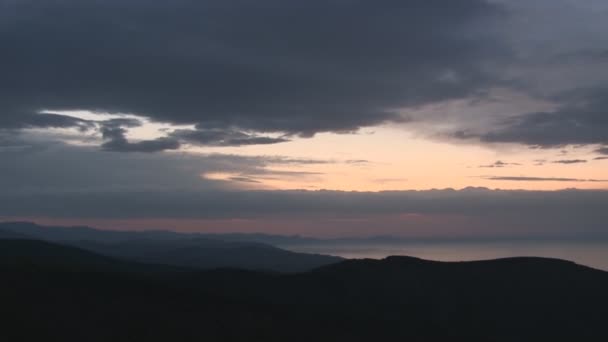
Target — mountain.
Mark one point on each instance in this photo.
(24, 254)
(175, 249)
(8, 234)
(208, 254)
(83, 233)
(395, 299)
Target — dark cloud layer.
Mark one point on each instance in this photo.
(114, 132)
(582, 119)
(240, 70)
(297, 67)
(19, 120)
(571, 213)
(120, 144)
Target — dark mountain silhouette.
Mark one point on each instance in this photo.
(175, 249)
(33, 253)
(7, 234)
(208, 254)
(25, 254)
(395, 299)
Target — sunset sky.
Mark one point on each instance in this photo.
(417, 118)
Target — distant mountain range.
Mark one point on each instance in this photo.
(55, 292)
(83, 233)
(174, 249)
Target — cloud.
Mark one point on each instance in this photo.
(58, 181)
(156, 145)
(357, 161)
(114, 132)
(289, 67)
(541, 179)
(243, 74)
(564, 67)
(499, 164)
(20, 120)
(243, 179)
(570, 161)
(581, 120)
(223, 137)
(114, 129)
(47, 166)
(435, 213)
(299, 161)
(602, 150)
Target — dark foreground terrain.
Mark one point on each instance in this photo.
(50, 292)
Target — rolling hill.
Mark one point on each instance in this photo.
(395, 299)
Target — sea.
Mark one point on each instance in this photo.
(589, 253)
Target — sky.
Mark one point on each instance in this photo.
(414, 118)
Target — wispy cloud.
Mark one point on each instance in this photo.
(570, 161)
(499, 164)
